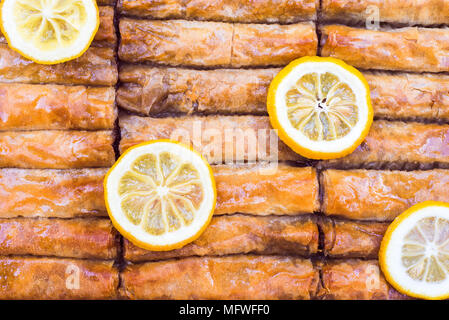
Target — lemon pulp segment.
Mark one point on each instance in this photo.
(321, 106)
(160, 193)
(425, 250)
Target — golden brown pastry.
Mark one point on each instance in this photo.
(106, 2)
(53, 278)
(51, 193)
(176, 42)
(34, 107)
(240, 234)
(106, 35)
(272, 45)
(380, 195)
(355, 280)
(400, 142)
(352, 239)
(409, 96)
(95, 67)
(56, 149)
(153, 90)
(410, 49)
(247, 11)
(265, 190)
(215, 43)
(71, 238)
(425, 12)
(220, 138)
(233, 277)
(213, 136)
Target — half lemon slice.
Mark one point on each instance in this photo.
(160, 195)
(414, 254)
(321, 107)
(49, 31)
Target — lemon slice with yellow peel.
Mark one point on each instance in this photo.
(414, 254)
(160, 195)
(321, 107)
(49, 31)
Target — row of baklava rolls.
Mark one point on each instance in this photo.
(58, 116)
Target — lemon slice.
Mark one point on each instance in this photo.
(49, 31)
(414, 254)
(160, 195)
(321, 107)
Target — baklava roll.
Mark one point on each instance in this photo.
(95, 67)
(51, 193)
(423, 12)
(227, 138)
(221, 139)
(106, 35)
(409, 96)
(380, 195)
(106, 2)
(49, 107)
(352, 239)
(266, 190)
(216, 44)
(408, 49)
(242, 234)
(57, 279)
(71, 238)
(234, 277)
(399, 143)
(355, 280)
(56, 149)
(154, 90)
